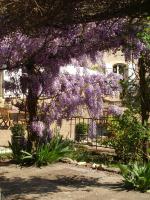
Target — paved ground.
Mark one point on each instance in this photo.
(63, 182)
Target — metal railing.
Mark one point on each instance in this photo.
(102, 131)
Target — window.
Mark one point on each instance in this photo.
(122, 69)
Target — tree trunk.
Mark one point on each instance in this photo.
(144, 101)
(143, 91)
(32, 102)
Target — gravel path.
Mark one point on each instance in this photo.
(63, 182)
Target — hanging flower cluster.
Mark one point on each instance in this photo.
(68, 94)
(54, 47)
(115, 110)
(92, 131)
(38, 127)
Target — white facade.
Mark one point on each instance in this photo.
(110, 60)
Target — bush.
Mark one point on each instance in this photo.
(128, 138)
(18, 130)
(108, 142)
(81, 130)
(136, 176)
(51, 152)
(83, 154)
(18, 141)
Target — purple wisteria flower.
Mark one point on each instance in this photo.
(38, 127)
(115, 110)
(92, 129)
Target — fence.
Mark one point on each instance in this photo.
(95, 135)
(10, 117)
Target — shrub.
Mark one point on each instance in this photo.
(18, 130)
(108, 142)
(83, 154)
(51, 152)
(128, 138)
(18, 141)
(136, 176)
(81, 130)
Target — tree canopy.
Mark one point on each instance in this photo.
(31, 14)
(39, 36)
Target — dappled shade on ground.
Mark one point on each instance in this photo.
(62, 181)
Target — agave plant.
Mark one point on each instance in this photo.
(136, 176)
(27, 158)
(50, 152)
